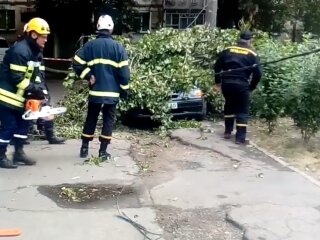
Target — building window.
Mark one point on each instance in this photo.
(7, 19)
(194, 2)
(182, 19)
(141, 22)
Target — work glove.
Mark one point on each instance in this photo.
(34, 90)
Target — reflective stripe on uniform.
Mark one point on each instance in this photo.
(242, 50)
(11, 95)
(20, 136)
(106, 137)
(104, 94)
(108, 62)
(242, 125)
(24, 84)
(123, 63)
(4, 141)
(84, 72)
(18, 68)
(11, 101)
(79, 60)
(87, 135)
(229, 116)
(20, 92)
(124, 87)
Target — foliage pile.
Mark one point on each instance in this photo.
(161, 63)
(170, 60)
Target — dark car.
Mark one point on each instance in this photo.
(190, 105)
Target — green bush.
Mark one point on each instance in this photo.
(268, 101)
(304, 99)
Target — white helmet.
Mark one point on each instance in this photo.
(105, 22)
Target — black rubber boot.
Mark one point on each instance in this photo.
(104, 156)
(19, 155)
(4, 161)
(84, 150)
(229, 125)
(49, 132)
(54, 139)
(241, 135)
(103, 150)
(243, 142)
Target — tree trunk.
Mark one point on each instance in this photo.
(211, 13)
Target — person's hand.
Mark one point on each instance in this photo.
(123, 94)
(92, 80)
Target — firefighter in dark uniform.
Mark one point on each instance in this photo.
(45, 125)
(237, 85)
(104, 63)
(19, 77)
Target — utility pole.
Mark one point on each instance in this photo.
(211, 12)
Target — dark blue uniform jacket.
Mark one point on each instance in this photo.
(107, 60)
(237, 57)
(22, 65)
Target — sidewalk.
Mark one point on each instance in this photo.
(39, 217)
(270, 201)
(267, 200)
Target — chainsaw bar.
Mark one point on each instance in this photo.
(44, 112)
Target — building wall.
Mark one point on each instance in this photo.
(184, 12)
(20, 7)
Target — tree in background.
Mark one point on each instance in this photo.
(271, 15)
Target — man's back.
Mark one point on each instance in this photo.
(107, 61)
(238, 57)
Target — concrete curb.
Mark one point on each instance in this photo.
(285, 164)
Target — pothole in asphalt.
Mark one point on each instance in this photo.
(89, 196)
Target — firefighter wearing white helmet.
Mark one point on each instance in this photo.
(104, 63)
(105, 22)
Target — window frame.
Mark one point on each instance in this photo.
(141, 27)
(7, 24)
(192, 16)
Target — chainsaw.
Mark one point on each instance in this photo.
(35, 109)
